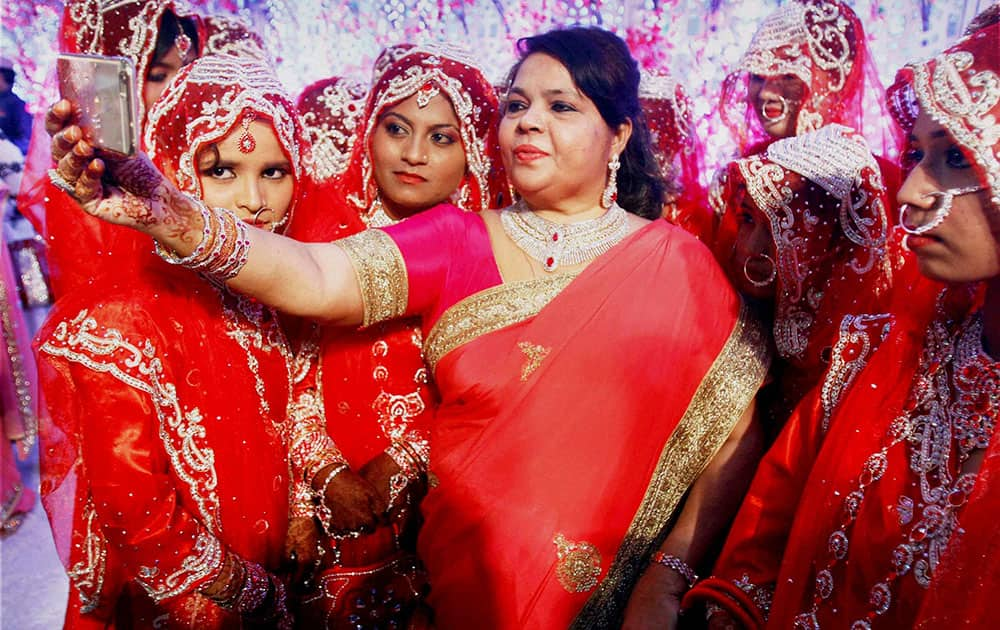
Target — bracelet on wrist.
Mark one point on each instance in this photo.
(224, 247)
(677, 565)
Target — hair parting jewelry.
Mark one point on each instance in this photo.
(755, 281)
(183, 44)
(247, 142)
(944, 200)
(610, 194)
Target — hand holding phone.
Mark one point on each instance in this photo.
(104, 90)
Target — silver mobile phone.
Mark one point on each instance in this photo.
(104, 89)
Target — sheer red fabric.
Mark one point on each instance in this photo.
(81, 248)
(824, 201)
(331, 109)
(165, 447)
(668, 110)
(822, 43)
(180, 125)
(400, 72)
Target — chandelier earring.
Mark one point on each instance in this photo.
(611, 190)
(757, 282)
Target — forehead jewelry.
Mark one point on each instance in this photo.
(427, 91)
(183, 44)
(944, 199)
(247, 142)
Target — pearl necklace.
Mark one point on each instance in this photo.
(554, 244)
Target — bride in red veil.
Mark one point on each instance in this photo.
(884, 515)
(164, 468)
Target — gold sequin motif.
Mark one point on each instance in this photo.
(578, 566)
(534, 355)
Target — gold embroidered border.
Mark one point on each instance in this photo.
(720, 401)
(489, 311)
(381, 274)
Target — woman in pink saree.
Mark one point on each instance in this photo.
(594, 366)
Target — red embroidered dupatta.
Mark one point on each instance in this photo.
(575, 415)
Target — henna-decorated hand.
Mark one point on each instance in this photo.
(121, 190)
(301, 553)
(379, 471)
(354, 504)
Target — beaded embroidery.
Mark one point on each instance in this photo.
(424, 71)
(331, 110)
(836, 160)
(87, 574)
(578, 564)
(206, 558)
(381, 273)
(229, 89)
(950, 412)
(962, 96)
(489, 311)
(814, 42)
(80, 341)
(859, 337)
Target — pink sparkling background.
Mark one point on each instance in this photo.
(695, 41)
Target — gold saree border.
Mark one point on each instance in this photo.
(723, 396)
(490, 310)
(381, 272)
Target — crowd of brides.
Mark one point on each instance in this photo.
(434, 352)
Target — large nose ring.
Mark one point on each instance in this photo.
(256, 215)
(943, 203)
(781, 115)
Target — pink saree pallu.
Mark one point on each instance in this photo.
(576, 413)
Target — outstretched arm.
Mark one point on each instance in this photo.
(314, 280)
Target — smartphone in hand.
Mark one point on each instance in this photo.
(104, 90)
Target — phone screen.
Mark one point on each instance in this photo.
(104, 90)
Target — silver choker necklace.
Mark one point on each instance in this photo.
(555, 244)
(377, 217)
